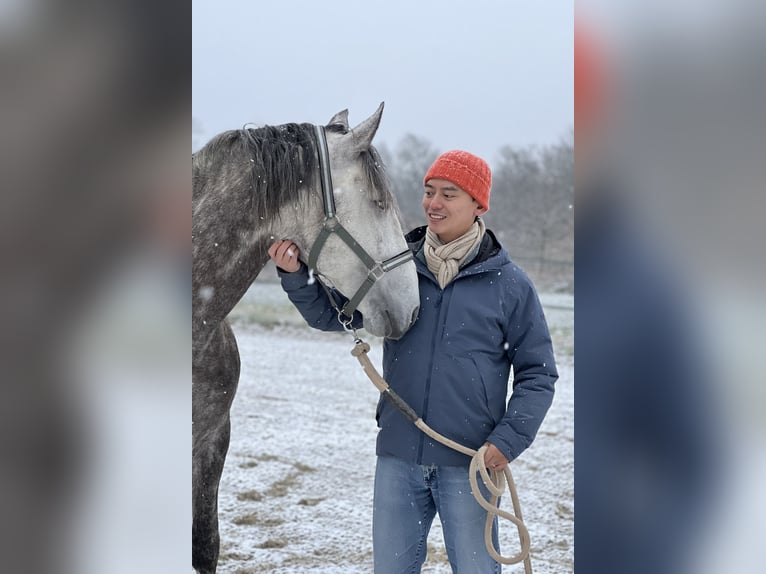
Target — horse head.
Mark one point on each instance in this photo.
(366, 209)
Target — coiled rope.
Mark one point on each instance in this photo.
(494, 481)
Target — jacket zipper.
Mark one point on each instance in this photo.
(427, 392)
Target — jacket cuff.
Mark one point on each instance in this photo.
(295, 280)
(504, 446)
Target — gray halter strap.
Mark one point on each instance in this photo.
(332, 225)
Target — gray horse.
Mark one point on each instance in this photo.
(251, 187)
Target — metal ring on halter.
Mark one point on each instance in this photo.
(347, 324)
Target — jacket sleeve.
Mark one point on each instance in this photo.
(534, 374)
(312, 301)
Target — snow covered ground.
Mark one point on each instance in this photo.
(296, 493)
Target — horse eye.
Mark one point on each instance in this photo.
(381, 205)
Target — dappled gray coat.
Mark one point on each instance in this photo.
(453, 365)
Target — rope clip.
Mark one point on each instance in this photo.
(347, 325)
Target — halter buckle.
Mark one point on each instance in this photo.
(330, 223)
(377, 272)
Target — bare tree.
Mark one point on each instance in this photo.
(532, 209)
(406, 168)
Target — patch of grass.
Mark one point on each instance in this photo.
(346, 560)
(247, 520)
(234, 556)
(267, 457)
(253, 519)
(258, 459)
(304, 467)
(310, 501)
(281, 487)
(564, 511)
(437, 554)
(251, 495)
(272, 543)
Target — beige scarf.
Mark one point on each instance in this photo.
(444, 259)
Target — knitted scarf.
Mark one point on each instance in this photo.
(444, 259)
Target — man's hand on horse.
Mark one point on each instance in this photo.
(284, 254)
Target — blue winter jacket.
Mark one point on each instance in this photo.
(453, 365)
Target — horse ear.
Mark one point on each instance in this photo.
(364, 132)
(340, 119)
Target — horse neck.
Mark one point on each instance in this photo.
(298, 222)
(229, 269)
(233, 230)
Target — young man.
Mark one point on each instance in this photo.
(479, 316)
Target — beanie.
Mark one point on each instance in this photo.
(467, 171)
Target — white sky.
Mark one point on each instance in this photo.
(475, 76)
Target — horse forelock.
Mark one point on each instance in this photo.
(283, 163)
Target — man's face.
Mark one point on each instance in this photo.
(450, 211)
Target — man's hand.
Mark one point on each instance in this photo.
(284, 254)
(494, 459)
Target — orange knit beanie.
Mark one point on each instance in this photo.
(467, 171)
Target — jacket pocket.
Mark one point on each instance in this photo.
(459, 404)
(483, 392)
(492, 392)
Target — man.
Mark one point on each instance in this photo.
(479, 316)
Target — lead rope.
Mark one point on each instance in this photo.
(493, 481)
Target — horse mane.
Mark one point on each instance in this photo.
(283, 164)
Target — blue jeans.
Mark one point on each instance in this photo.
(407, 497)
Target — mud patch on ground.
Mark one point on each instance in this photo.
(255, 519)
(250, 496)
(234, 556)
(282, 486)
(303, 467)
(437, 554)
(310, 501)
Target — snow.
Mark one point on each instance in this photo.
(296, 493)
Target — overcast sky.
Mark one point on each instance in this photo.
(475, 76)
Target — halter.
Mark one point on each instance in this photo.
(332, 225)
